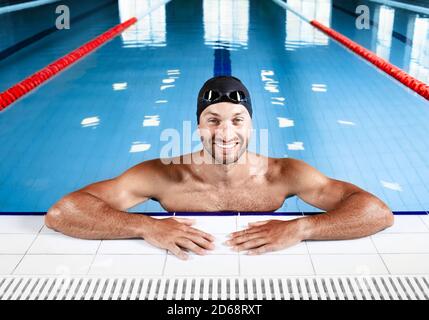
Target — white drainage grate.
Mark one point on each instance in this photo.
(214, 288)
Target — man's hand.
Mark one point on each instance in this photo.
(174, 233)
(265, 236)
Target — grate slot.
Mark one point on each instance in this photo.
(381, 288)
(187, 292)
(13, 288)
(136, 289)
(207, 291)
(118, 290)
(345, 285)
(18, 293)
(72, 291)
(418, 284)
(276, 288)
(145, 283)
(410, 293)
(302, 289)
(5, 286)
(127, 289)
(48, 288)
(398, 289)
(320, 289)
(388, 285)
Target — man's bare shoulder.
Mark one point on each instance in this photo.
(294, 170)
(156, 170)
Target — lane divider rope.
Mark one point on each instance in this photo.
(30, 83)
(416, 85)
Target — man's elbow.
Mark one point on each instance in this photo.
(56, 215)
(53, 217)
(384, 215)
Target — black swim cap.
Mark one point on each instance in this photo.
(223, 85)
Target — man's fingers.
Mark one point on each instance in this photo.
(202, 234)
(262, 249)
(186, 243)
(204, 243)
(247, 231)
(258, 223)
(254, 243)
(244, 238)
(178, 252)
(186, 221)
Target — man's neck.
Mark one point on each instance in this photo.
(224, 174)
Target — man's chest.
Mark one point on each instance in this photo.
(241, 198)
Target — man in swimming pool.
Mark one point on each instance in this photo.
(217, 179)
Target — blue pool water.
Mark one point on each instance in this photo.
(320, 102)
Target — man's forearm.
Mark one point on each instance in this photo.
(85, 216)
(360, 215)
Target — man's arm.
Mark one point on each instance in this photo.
(350, 211)
(97, 210)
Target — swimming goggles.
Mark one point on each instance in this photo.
(234, 96)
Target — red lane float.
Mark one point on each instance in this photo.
(416, 85)
(17, 91)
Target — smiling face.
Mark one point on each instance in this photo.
(225, 130)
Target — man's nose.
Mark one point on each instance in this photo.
(225, 132)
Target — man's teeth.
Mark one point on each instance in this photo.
(226, 145)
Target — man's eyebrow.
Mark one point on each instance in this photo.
(216, 114)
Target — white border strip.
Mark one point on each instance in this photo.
(287, 7)
(25, 5)
(402, 5)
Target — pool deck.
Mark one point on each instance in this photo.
(28, 247)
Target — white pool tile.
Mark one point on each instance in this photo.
(62, 244)
(402, 242)
(265, 264)
(45, 229)
(407, 224)
(8, 263)
(356, 264)
(128, 265)
(220, 247)
(131, 246)
(15, 243)
(242, 221)
(407, 263)
(54, 265)
(21, 224)
(300, 248)
(214, 224)
(354, 246)
(425, 220)
(207, 265)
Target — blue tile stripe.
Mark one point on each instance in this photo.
(38, 36)
(42, 213)
(222, 63)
